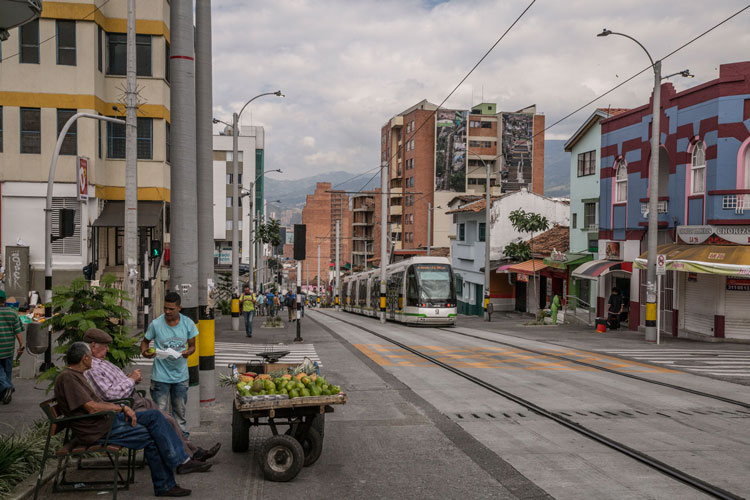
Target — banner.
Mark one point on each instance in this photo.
(714, 235)
(82, 174)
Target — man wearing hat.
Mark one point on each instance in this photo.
(10, 330)
(110, 383)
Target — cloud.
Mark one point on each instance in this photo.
(347, 67)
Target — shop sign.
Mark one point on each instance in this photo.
(522, 277)
(695, 235)
(612, 250)
(82, 175)
(738, 284)
(692, 277)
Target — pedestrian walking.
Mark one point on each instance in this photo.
(282, 301)
(169, 376)
(270, 303)
(247, 305)
(10, 331)
(291, 305)
(615, 305)
(260, 304)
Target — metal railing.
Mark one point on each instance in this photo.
(576, 307)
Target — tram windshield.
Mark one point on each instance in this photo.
(435, 282)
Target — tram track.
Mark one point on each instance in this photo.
(695, 392)
(658, 465)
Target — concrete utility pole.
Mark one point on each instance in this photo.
(429, 227)
(318, 288)
(487, 247)
(383, 235)
(338, 265)
(184, 258)
(130, 243)
(204, 148)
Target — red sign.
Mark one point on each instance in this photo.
(738, 284)
(82, 174)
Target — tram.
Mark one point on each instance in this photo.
(419, 291)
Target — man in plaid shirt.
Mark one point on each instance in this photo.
(110, 383)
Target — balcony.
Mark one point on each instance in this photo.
(397, 121)
(397, 210)
(396, 192)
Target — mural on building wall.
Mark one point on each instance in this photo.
(450, 150)
(517, 141)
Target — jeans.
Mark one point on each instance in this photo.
(6, 373)
(248, 322)
(162, 447)
(176, 394)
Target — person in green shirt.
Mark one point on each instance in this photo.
(247, 305)
(10, 331)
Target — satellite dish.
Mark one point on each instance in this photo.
(15, 13)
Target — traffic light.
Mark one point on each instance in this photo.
(67, 226)
(89, 271)
(300, 240)
(154, 251)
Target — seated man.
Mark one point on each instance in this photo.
(109, 383)
(144, 429)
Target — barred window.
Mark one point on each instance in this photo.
(28, 52)
(116, 139)
(72, 244)
(66, 42)
(70, 143)
(168, 143)
(31, 130)
(586, 163)
(117, 54)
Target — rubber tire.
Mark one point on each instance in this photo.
(240, 432)
(319, 424)
(281, 458)
(312, 446)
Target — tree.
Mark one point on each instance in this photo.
(525, 222)
(269, 233)
(79, 306)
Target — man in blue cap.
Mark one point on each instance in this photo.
(10, 331)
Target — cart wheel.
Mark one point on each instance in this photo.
(240, 432)
(312, 445)
(281, 458)
(319, 423)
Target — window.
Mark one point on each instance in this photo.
(99, 137)
(99, 50)
(70, 143)
(72, 244)
(1, 129)
(412, 144)
(461, 232)
(117, 54)
(229, 224)
(66, 42)
(408, 146)
(698, 168)
(31, 130)
(575, 221)
(166, 61)
(474, 124)
(482, 231)
(229, 201)
(28, 53)
(486, 124)
(589, 216)
(621, 182)
(587, 163)
(661, 207)
(729, 202)
(116, 139)
(168, 142)
(239, 179)
(229, 178)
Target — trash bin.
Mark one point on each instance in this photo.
(36, 338)
(601, 325)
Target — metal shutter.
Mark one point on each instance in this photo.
(699, 312)
(71, 245)
(737, 316)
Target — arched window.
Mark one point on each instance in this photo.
(698, 169)
(621, 182)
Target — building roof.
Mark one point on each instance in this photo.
(477, 203)
(556, 238)
(598, 114)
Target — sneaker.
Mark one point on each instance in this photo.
(193, 465)
(8, 395)
(176, 491)
(204, 455)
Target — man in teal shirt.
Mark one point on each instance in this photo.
(169, 376)
(10, 330)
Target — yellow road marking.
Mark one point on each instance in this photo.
(502, 358)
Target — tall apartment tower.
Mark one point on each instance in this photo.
(365, 230)
(322, 209)
(436, 154)
(81, 68)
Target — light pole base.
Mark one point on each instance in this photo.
(235, 324)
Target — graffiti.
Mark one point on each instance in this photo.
(15, 271)
(517, 148)
(450, 150)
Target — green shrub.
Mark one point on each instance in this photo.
(21, 455)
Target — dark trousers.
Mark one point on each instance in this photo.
(161, 445)
(613, 321)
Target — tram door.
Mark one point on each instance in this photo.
(393, 290)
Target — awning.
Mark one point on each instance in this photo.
(113, 215)
(595, 268)
(530, 267)
(503, 269)
(727, 260)
(569, 259)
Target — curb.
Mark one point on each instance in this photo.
(25, 489)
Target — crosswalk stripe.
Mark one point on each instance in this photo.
(709, 362)
(231, 352)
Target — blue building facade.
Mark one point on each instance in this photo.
(704, 195)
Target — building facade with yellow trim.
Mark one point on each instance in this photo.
(72, 60)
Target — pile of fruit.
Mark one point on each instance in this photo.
(295, 386)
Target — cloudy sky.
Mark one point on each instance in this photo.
(347, 66)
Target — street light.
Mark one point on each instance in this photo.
(487, 219)
(235, 208)
(653, 195)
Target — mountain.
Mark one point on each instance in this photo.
(556, 169)
(292, 192)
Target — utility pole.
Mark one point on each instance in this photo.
(487, 221)
(429, 227)
(383, 235)
(130, 242)
(184, 213)
(235, 223)
(204, 149)
(318, 288)
(338, 264)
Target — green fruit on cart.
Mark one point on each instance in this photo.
(315, 390)
(293, 393)
(305, 392)
(320, 381)
(283, 391)
(334, 389)
(324, 388)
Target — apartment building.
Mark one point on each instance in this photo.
(73, 59)
(436, 154)
(365, 229)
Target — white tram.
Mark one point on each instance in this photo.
(419, 291)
